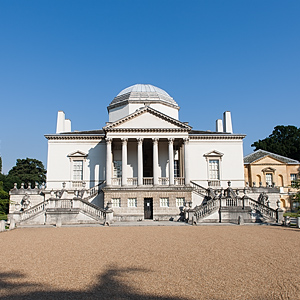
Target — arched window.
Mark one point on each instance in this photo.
(280, 180)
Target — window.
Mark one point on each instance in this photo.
(116, 202)
(176, 168)
(77, 169)
(180, 202)
(164, 202)
(269, 179)
(118, 168)
(132, 202)
(213, 166)
(293, 178)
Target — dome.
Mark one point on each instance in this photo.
(147, 88)
(142, 93)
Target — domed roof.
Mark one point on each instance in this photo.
(148, 88)
(143, 92)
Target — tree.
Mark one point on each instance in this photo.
(4, 201)
(0, 165)
(284, 140)
(28, 170)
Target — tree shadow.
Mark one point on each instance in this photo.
(108, 286)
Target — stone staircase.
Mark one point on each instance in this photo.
(57, 207)
(228, 207)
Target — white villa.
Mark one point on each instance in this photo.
(143, 164)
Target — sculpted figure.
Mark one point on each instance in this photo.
(25, 202)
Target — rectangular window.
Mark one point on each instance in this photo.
(164, 202)
(293, 178)
(132, 202)
(269, 179)
(213, 166)
(118, 168)
(180, 202)
(77, 169)
(116, 202)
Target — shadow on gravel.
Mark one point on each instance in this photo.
(108, 287)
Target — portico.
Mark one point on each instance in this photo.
(152, 161)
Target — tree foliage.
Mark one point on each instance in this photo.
(28, 170)
(284, 140)
(4, 200)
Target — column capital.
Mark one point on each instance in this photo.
(124, 140)
(108, 140)
(186, 140)
(155, 140)
(140, 140)
(171, 140)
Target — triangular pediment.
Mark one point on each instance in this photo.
(149, 118)
(269, 170)
(77, 153)
(213, 153)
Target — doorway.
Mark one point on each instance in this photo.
(148, 208)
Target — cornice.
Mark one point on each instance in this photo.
(147, 130)
(217, 137)
(74, 137)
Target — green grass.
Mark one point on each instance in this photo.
(290, 214)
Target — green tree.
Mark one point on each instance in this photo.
(4, 201)
(284, 140)
(0, 165)
(27, 170)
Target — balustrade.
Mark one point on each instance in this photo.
(179, 180)
(163, 181)
(116, 181)
(147, 180)
(132, 181)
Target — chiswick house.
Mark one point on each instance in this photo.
(144, 164)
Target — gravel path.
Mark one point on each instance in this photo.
(176, 262)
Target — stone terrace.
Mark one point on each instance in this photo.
(150, 262)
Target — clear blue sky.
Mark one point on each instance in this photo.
(210, 56)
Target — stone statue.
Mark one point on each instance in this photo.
(25, 202)
(263, 198)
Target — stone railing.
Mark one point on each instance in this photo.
(179, 181)
(206, 209)
(132, 181)
(116, 180)
(163, 181)
(212, 183)
(94, 191)
(92, 209)
(147, 180)
(266, 211)
(26, 214)
(202, 191)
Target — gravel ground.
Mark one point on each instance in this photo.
(151, 262)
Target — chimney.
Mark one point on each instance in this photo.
(67, 125)
(60, 125)
(219, 125)
(227, 124)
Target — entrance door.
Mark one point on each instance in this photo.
(148, 208)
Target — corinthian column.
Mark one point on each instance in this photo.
(171, 161)
(140, 161)
(186, 161)
(155, 161)
(124, 161)
(108, 161)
